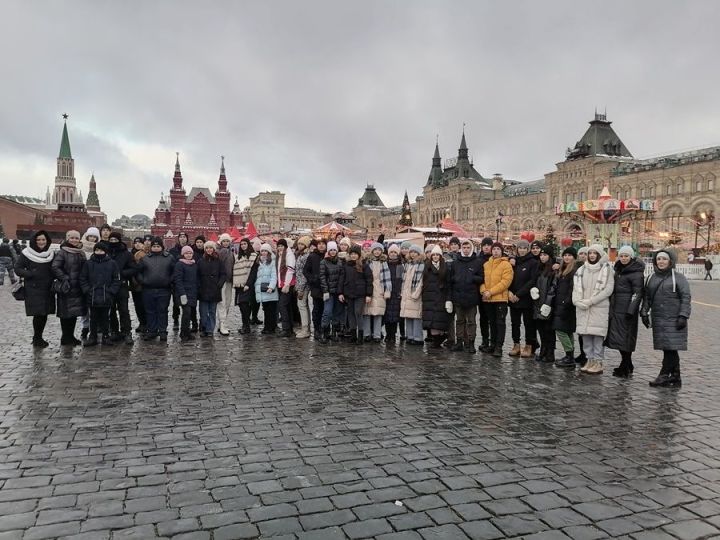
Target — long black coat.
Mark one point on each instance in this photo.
(38, 277)
(625, 306)
(525, 273)
(434, 296)
(465, 275)
(667, 297)
(211, 278)
(354, 284)
(311, 271)
(66, 268)
(185, 282)
(392, 306)
(563, 309)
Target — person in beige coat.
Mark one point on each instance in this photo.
(411, 297)
(382, 289)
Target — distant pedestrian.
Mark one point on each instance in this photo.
(8, 256)
(391, 318)
(138, 252)
(333, 316)
(666, 308)
(708, 269)
(435, 308)
(286, 286)
(525, 274)
(311, 271)
(484, 256)
(302, 290)
(465, 275)
(34, 267)
(120, 326)
(67, 266)
(543, 295)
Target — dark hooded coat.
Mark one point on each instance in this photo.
(625, 306)
(434, 296)
(67, 267)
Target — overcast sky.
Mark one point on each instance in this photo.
(318, 98)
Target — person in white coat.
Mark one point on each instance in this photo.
(592, 287)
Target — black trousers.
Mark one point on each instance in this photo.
(671, 362)
(68, 327)
(269, 316)
(187, 313)
(39, 322)
(254, 308)
(139, 308)
(317, 311)
(496, 313)
(285, 309)
(526, 314)
(99, 320)
(120, 312)
(484, 323)
(354, 309)
(547, 335)
(245, 313)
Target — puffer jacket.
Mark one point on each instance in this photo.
(411, 298)
(498, 277)
(301, 284)
(266, 273)
(382, 285)
(155, 270)
(547, 285)
(185, 282)
(592, 306)
(244, 275)
(625, 305)
(667, 297)
(392, 306)
(211, 278)
(465, 275)
(100, 281)
(434, 296)
(330, 275)
(35, 267)
(355, 284)
(525, 274)
(311, 271)
(67, 267)
(563, 310)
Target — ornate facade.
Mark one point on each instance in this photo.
(268, 213)
(684, 185)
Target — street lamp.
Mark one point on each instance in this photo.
(498, 222)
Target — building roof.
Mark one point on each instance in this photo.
(194, 192)
(370, 198)
(65, 144)
(524, 188)
(600, 139)
(22, 199)
(671, 160)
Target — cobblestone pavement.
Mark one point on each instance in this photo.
(250, 436)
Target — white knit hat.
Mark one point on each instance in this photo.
(436, 250)
(332, 246)
(626, 250)
(266, 247)
(225, 236)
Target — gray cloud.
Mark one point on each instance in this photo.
(319, 97)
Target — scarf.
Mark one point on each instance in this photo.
(417, 277)
(70, 249)
(41, 257)
(602, 280)
(187, 261)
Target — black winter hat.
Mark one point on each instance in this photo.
(148, 238)
(536, 243)
(200, 237)
(282, 242)
(355, 249)
(570, 251)
(454, 240)
(487, 241)
(102, 245)
(548, 250)
(156, 241)
(138, 239)
(116, 234)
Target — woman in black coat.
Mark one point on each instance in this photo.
(392, 306)
(34, 266)
(543, 295)
(625, 308)
(666, 307)
(211, 278)
(67, 266)
(563, 309)
(435, 315)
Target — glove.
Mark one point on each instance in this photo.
(646, 321)
(286, 289)
(183, 300)
(681, 322)
(545, 310)
(449, 306)
(535, 293)
(387, 295)
(326, 296)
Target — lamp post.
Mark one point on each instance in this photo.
(498, 222)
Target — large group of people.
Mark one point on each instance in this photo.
(341, 291)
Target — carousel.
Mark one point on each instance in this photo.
(607, 221)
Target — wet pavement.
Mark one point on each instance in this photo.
(255, 436)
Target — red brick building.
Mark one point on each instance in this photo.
(197, 213)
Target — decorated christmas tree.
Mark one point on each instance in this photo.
(406, 216)
(550, 238)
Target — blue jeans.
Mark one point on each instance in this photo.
(376, 322)
(332, 311)
(208, 311)
(156, 303)
(413, 329)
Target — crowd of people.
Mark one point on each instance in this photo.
(340, 291)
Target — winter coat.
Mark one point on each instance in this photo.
(563, 310)
(667, 297)
(185, 282)
(124, 261)
(434, 296)
(36, 270)
(176, 251)
(547, 285)
(411, 297)
(155, 270)
(211, 278)
(311, 271)
(498, 278)
(244, 275)
(286, 272)
(330, 275)
(100, 281)
(525, 274)
(227, 258)
(6, 250)
(301, 284)
(266, 274)
(392, 306)
(465, 275)
(625, 306)
(354, 284)
(382, 286)
(592, 302)
(137, 256)
(67, 267)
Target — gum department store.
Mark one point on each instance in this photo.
(682, 184)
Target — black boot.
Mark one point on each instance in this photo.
(567, 361)
(667, 380)
(361, 337)
(458, 347)
(107, 341)
(549, 356)
(91, 341)
(39, 343)
(485, 347)
(497, 351)
(437, 340)
(353, 337)
(84, 334)
(581, 359)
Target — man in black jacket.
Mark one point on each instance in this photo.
(311, 271)
(120, 311)
(100, 282)
(465, 275)
(155, 273)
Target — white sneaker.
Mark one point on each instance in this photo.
(303, 333)
(224, 331)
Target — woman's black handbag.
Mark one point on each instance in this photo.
(18, 291)
(264, 287)
(61, 286)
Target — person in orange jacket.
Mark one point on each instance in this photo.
(494, 291)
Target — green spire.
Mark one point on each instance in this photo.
(65, 142)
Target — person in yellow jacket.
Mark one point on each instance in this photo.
(494, 291)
